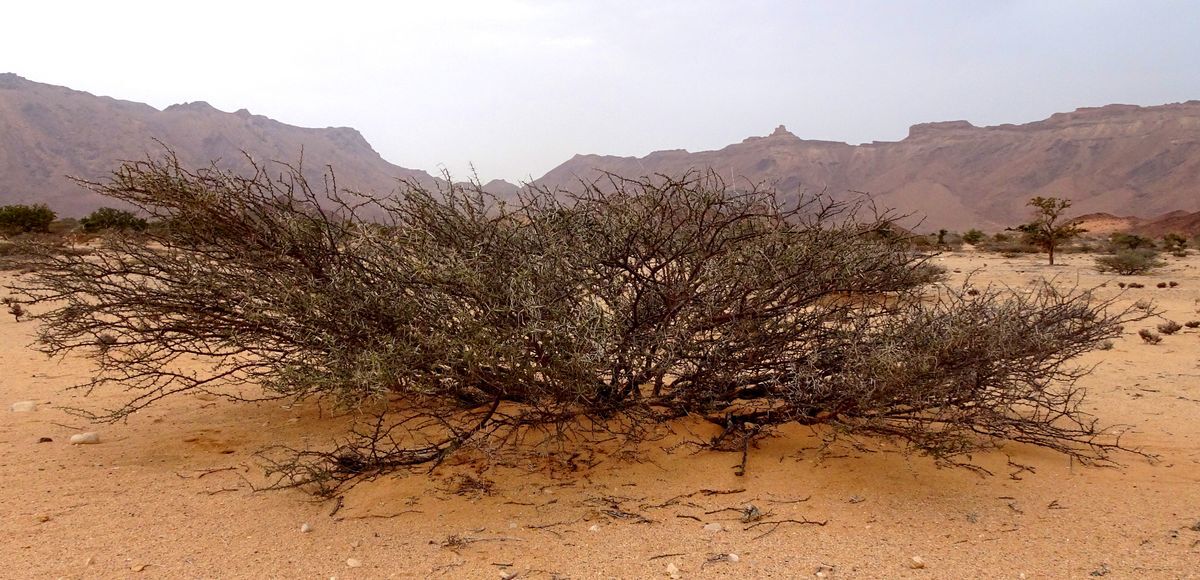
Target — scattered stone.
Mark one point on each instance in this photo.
(23, 406)
(733, 558)
(305, 528)
(713, 527)
(673, 570)
(45, 440)
(89, 438)
(353, 563)
(43, 518)
(594, 528)
(916, 563)
(506, 575)
(512, 525)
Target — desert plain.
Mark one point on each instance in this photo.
(169, 493)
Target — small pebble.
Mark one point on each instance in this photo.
(305, 528)
(594, 528)
(43, 518)
(353, 563)
(713, 527)
(89, 438)
(916, 563)
(506, 575)
(733, 558)
(45, 440)
(23, 406)
(673, 570)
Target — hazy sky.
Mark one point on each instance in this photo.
(516, 87)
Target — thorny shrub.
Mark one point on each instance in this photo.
(446, 318)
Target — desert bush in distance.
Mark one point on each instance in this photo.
(1121, 241)
(22, 219)
(1174, 242)
(108, 219)
(449, 320)
(973, 236)
(1129, 262)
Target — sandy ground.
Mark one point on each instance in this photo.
(167, 494)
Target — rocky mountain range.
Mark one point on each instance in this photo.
(48, 133)
(1178, 222)
(1117, 159)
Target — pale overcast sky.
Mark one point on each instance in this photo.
(516, 87)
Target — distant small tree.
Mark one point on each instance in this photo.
(1047, 231)
(20, 219)
(107, 218)
(973, 236)
(1130, 262)
(1174, 242)
(1131, 242)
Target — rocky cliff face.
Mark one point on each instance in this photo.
(48, 133)
(1118, 159)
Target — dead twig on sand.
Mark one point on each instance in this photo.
(800, 500)
(337, 505)
(455, 541)
(704, 492)
(776, 523)
(222, 490)
(380, 516)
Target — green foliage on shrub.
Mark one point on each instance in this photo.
(1048, 230)
(1130, 242)
(107, 218)
(1174, 242)
(19, 219)
(973, 236)
(1130, 262)
(452, 321)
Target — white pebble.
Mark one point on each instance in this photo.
(713, 527)
(353, 563)
(594, 528)
(89, 438)
(673, 570)
(305, 528)
(916, 563)
(23, 406)
(733, 558)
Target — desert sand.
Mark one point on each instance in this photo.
(167, 494)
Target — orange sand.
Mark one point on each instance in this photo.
(143, 503)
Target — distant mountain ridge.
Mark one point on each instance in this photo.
(49, 132)
(1119, 159)
(1116, 159)
(1177, 222)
